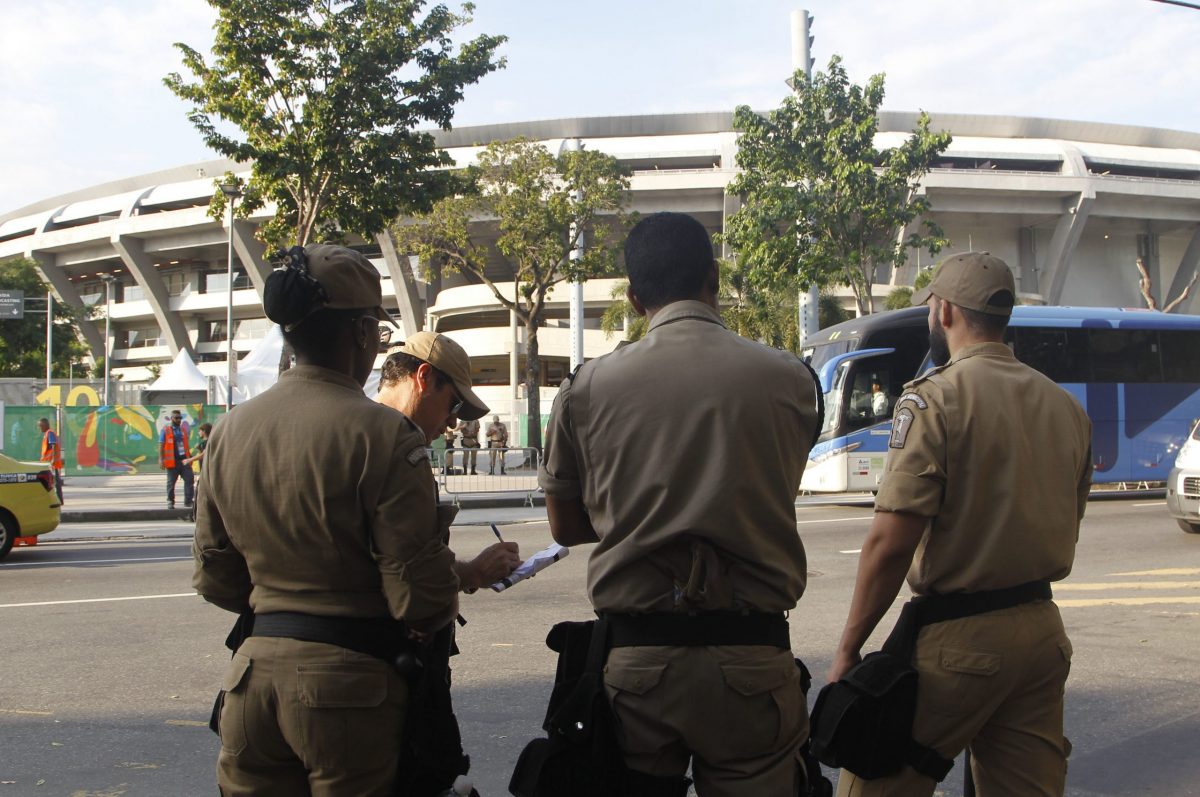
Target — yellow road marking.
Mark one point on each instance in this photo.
(27, 713)
(1096, 586)
(1086, 602)
(188, 723)
(1166, 571)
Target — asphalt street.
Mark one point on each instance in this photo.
(111, 662)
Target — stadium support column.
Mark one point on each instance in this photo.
(802, 59)
(1062, 245)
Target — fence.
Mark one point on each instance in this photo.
(101, 440)
(486, 471)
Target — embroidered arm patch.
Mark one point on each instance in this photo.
(901, 425)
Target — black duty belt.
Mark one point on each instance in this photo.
(926, 610)
(698, 630)
(381, 637)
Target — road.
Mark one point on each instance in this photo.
(111, 662)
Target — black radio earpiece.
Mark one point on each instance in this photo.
(292, 293)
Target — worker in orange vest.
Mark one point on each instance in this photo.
(52, 454)
(173, 449)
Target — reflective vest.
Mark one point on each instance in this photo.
(167, 445)
(52, 451)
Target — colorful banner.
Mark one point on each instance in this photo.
(102, 440)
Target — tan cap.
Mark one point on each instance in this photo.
(974, 280)
(448, 357)
(348, 277)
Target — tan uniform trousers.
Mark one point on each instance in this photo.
(993, 682)
(736, 712)
(470, 452)
(306, 718)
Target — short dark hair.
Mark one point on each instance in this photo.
(44, 420)
(401, 364)
(985, 324)
(315, 336)
(206, 428)
(668, 257)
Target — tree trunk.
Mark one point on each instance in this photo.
(533, 382)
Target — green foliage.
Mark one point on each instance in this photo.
(830, 311)
(621, 317)
(543, 205)
(821, 205)
(327, 96)
(898, 299)
(23, 342)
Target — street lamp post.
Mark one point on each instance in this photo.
(109, 279)
(232, 191)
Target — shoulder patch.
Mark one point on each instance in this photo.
(901, 425)
(914, 398)
(417, 454)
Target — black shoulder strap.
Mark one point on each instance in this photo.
(820, 402)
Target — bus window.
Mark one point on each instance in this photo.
(1125, 355)
(1180, 355)
(821, 353)
(868, 393)
(1060, 354)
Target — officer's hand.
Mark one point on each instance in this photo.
(492, 564)
(842, 663)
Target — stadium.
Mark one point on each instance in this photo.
(1070, 205)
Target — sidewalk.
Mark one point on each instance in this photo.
(143, 497)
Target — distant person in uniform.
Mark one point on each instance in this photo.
(987, 477)
(470, 441)
(449, 435)
(429, 355)
(52, 454)
(173, 452)
(197, 459)
(318, 513)
(497, 437)
(671, 456)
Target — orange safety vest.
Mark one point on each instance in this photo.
(52, 453)
(168, 445)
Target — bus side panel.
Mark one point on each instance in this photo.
(1101, 401)
(1158, 418)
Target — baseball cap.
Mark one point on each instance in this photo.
(448, 357)
(348, 278)
(974, 280)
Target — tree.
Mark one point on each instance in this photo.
(327, 95)
(23, 341)
(899, 298)
(543, 206)
(822, 205)
(620, 316)
(1146, 287)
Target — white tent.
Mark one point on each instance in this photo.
(182, 374)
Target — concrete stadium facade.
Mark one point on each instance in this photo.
(1069, 205)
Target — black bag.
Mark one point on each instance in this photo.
(863, 723)
(580, 755)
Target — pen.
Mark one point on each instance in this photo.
(496, 531)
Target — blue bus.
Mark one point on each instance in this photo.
(1135, 372)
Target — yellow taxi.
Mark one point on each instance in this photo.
(28, 505)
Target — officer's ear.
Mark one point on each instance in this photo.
(638, 307)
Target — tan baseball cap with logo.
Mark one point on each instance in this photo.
(974, 280)
(348, 278)
(451, 359)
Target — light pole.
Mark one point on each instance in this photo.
(109, 279)
(232, 191)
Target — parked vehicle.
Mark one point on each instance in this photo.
(28, 505)
(1183, 485)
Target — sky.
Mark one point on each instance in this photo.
(82, 100)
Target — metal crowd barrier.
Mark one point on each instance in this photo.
(495, 471)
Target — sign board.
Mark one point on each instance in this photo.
(12, 304)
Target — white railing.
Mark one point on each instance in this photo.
(486, 471)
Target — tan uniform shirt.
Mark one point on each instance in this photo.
(316, 499)
(470, 434)
(497, 433)
(691, 435)
(999, 457)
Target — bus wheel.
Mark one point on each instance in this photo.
(8, 533)
(1190, 528)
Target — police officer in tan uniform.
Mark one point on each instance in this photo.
(317, 514)
(469, 429)
(987, 477)
(497, 437)
(698, 557)
(429, 358)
